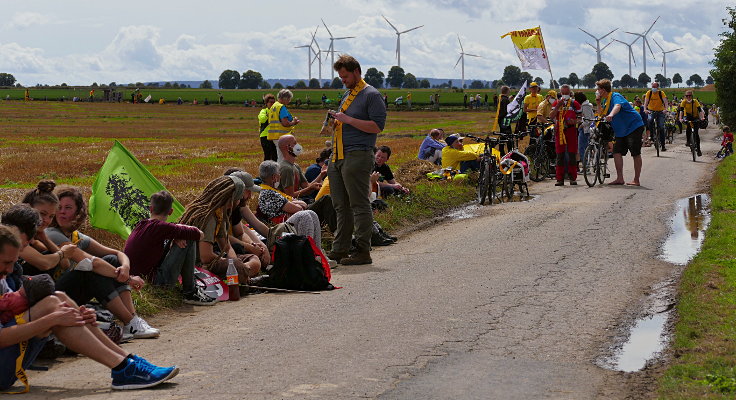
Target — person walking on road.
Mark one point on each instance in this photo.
(627, 127)
(362, 115)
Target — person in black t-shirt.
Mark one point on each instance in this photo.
(386, 182)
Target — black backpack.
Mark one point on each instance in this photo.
(299, 264)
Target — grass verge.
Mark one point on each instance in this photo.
(704, 342)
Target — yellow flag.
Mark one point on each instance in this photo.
(529, 46)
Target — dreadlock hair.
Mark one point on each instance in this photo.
(43, 193)
(76, 195)
(216, 194)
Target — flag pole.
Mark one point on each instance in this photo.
(549, 63)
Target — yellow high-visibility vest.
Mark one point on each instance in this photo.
(275, 130)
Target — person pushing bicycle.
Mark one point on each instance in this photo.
(690, 113)
(655, 104)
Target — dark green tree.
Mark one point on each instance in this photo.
(601, 71)
(616, 83)
(697, 80)
(424, 84)
(229, 79)
(539, 81)
(410, 81)
(205, 85)
(643, 80)
(6, 79)
(628, 81)
(395, 77)
(525, 77)
(476, 85)
(264, 85)
(512, 75)
(589, 80)
(278, 86)
(573, 80)
(659, 78)
(314, 83)
(677, 79)
(300, 84)
(336, 83)
(374, 77)
(724, 69)
(709, 80)
(250, 79)
(563, 81)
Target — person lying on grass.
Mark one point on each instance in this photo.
(147, 249)
(75, 326)
(96, 271)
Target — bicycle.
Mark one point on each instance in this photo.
(670, 127)
(657, 131)
(489, 182)
(693, 135)
(539, 155)
(512, 168)
(595, 157)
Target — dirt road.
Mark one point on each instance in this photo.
(514, 303)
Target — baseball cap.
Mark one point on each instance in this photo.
(247, 180)
(452, 138)
(533, 84)
(552, 93)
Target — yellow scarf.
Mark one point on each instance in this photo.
(608, 105)
(20, 373)
(338, 147)
(566, 105)
(264, 186)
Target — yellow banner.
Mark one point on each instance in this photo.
(529, 46)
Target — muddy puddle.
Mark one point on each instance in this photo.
(473, 210)
(642, 340)
(691, 219)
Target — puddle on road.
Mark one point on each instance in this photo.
(692, 216)
(646, 340)
(473, 210)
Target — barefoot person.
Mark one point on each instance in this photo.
(627, 126)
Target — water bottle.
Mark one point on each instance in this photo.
(233, 286)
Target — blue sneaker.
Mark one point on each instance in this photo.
(138, 358)
(139, 375)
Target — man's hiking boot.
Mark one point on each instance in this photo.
(357, 259)
(336, 255)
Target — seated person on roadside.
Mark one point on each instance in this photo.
(453, 155)
(73, 325)
(147, 248)
(294, 183)
(431, 147)
(243, 239)
(276, 207)
(211, 212)
(320, 164)
(386, 181)
(96, 271)
(727, 139)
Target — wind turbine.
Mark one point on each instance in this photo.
(645, 44)
(309, 57)
(461, 61)
(331, 49)
(597, 46)
(664, 57)
(398, 38)
(631, 52)
(317, 54)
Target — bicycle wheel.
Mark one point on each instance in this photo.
(602, 167)
(508, 187)
(692, 148)
(495, 185)
(655, 131)
(590, 158)
(483, 178)
(537, 169)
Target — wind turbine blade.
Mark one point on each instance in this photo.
(604, 36)
(458, 61)
(328, 29)
(472, 55)
(616, 40)
(461, 44)
(650, 48)
(632, 56)
(588, 33)
(675, 50)
(344, 37)
(609, 43)
(409, 30)
(657, 43)
(652, 26)
(594, 48)
(389, 22)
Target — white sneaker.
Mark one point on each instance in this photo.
(140, 329)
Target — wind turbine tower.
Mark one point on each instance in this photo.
(309, 57)
(645, 44)
(631, 52)
(398, 38)
(664, 57)
(317, 54)
(331, 49)
(597, 46)
(461, 61)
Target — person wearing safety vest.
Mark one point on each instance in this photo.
(280, 120)
(269, 149)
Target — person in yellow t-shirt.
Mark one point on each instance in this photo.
(454, 156)
(531, 103)
(655, 103)
(691, 111)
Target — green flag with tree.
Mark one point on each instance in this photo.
(121, 193)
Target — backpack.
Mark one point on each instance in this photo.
(299, 264)
(648, 97)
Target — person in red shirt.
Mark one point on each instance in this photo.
(564, 114)
(146, 249)
(727, 139)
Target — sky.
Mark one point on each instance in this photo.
(83, 41)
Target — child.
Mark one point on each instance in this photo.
(146, 247)
(727, 139)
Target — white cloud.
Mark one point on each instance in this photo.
(22, 20)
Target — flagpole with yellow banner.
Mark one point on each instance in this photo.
(529, 46)
(549, 64)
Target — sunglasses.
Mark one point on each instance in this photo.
(688, 95)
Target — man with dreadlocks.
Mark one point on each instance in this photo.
(211, 213)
